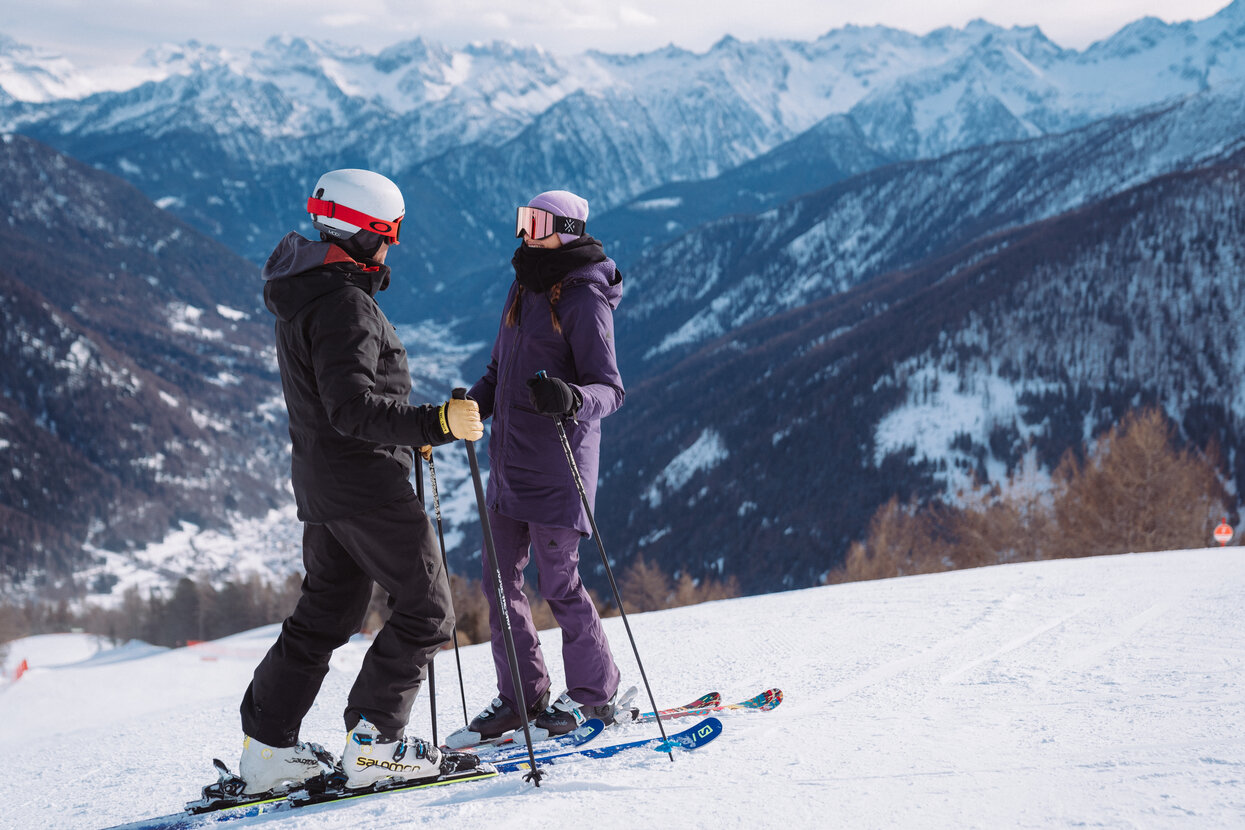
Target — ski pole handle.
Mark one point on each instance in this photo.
(557, 419)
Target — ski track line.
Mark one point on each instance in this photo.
(1084, 657)
(888, 670)
(951, 677)
(896, 667)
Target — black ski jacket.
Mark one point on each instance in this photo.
(346, 382)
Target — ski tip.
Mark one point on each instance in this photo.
(766, 700)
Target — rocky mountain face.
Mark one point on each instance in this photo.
(742, 268)
(765, 451)
(137, 378)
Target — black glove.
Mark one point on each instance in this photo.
(551, 396)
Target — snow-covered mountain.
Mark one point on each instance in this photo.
(1017, 84)
(742, 268)
(470, 131)
(784, 435)
(767, 201)
(139, 384)
(1097, 692)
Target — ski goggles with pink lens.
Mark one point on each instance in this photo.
(538, 223)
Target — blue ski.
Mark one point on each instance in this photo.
(689, 739)
(586, 731)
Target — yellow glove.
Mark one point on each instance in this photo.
(463, 419)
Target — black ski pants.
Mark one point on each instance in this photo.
(394, 546)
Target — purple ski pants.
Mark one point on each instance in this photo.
(591, 675)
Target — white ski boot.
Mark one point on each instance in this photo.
(370, 759)
(273, 769)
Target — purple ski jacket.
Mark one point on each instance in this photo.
(529, 479)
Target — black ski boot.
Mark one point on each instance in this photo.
(494, 721)
(565, 715)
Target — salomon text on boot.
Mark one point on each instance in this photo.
(375, 759)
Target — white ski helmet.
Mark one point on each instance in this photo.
(348, 201)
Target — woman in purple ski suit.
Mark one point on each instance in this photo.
(558, 318)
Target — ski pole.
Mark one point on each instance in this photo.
(436, 503)
(432, 669)
(609, 572)
(507, 636)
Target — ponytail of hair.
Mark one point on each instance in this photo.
(555, 293)
(512, 313)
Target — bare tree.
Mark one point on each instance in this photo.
(644, 586)
(1136, 492)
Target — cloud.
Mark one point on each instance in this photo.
(345, 20)
(631, 16)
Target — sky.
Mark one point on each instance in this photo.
(116, 32)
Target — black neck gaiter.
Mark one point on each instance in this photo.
(539, 269)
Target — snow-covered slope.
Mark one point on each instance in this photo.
(1090, 692)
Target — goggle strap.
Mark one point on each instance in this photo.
(565, 224)
(332, 210)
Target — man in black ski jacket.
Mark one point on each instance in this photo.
(347, 387)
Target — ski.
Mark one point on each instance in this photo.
(625, 713)
(206, 811)
(586, 731)
(702, 702)
(489, 747)
(700, 707)
(765, 701)
(694, 737)
(329, 791)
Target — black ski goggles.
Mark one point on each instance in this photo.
(538, 223)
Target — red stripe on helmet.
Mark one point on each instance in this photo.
(386, 228)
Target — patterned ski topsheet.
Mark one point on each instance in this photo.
(765, 701)
(702, 702)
